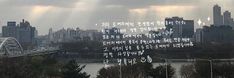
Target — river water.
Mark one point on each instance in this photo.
(93, 68)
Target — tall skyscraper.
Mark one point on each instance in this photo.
(217, 16)
(227, 18)
(180, 27)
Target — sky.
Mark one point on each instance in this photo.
(58, 14)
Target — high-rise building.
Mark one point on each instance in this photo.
(10, 30)
(50, 34)
(23, 32)
(227, 18)
(26, 32)
(221, 20)
(217, 16)
(217, 34)
(220, 32)
(180, 27)
(188, 29)
(198, 35)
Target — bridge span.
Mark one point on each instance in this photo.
(10, 47)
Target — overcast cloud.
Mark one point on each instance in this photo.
(57, 14)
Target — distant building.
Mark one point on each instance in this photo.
(180, 27)
(217, 34)
(23, 32)
(26, 32)
(222, 20)
(90, 35)
(222, 30)
(72, 35)
(198, 35)
(11, 30)
(217, 16)
(50, 35)
(227, 19)
(63, 35)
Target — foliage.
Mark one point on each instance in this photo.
(73, 70)
(36, 67)
(187, 71)
(160, 71)
(202, 69)
(139, 70)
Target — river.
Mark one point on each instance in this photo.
(93, 68)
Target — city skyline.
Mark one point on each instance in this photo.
(85, 14)
(116, 39)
